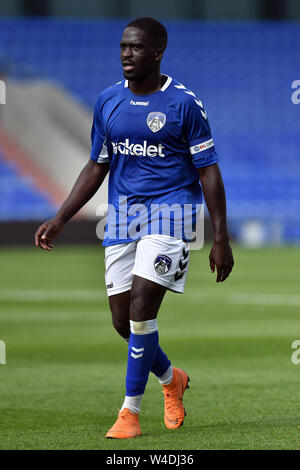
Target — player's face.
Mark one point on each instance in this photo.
(138, 56)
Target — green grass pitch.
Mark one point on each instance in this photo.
(65, 372)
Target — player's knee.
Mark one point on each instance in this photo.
(121, 326)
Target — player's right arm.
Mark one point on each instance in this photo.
(86, 185)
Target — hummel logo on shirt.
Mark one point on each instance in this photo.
(139, 103)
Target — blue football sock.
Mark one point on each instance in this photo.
(161, 363)
(142, 351)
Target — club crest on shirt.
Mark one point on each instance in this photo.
(156, 121)
(162, 264)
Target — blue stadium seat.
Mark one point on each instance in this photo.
(19, 198)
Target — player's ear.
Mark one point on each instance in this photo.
(158, 53)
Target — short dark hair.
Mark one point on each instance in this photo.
(154, 28)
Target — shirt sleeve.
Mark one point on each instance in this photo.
(99, 151)
(198, 134)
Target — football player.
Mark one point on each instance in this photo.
(152, 135)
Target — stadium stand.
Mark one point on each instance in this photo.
(19, 197)
(243, 72)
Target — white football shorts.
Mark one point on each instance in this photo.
(159, 258)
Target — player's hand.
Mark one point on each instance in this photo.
(47, 232)
(220, 257)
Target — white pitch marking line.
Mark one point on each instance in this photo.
(266, 299)
(288, 300)
(36, 295)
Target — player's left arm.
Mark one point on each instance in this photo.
(220, 256)
(205, 160)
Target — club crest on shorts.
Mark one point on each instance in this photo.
(156, 121)
(162, 264)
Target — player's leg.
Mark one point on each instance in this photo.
(120, 259)
(120, 312)
(146, 297)
(120, 309)
(164, 261)
(152, 266)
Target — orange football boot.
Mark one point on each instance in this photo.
(174, 409)
(126, 426)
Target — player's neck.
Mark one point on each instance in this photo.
(148, 85)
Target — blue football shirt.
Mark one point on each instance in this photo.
(154, 144)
